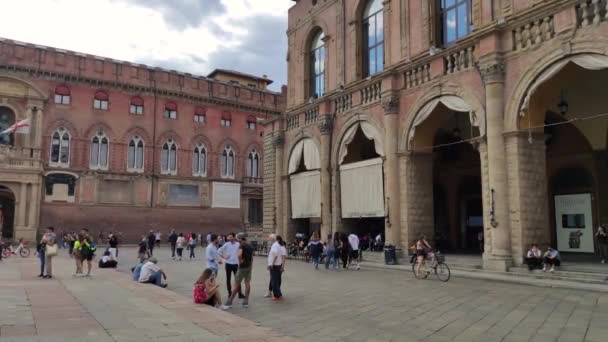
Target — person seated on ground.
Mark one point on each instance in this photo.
(136, 270)
(151, 273)
(106, 261)
(534, 258)
(551, 257)
(206, 290)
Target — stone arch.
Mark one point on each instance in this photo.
(588, 45)
(434, 93)
(17, 109)
(200, 139)
(61, 123)
(94, 128)
(170, 134)
(316, 25)
(136, 131)
(256, 147)
(353, 120)
(296, 142)
(231, 143)
(28, 90)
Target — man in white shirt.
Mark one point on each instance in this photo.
(230, 252)
(211, 254)
(353, 241)
(276, 265)
(151, 273)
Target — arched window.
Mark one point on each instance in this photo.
(171, 110)
(199, 160)
(7, 120)
(168, 158)
(455, 20)
(137, 106)
(101, 100)
(253, 164)
(60, 148)
(62, 95)
(135, 155)
(373, 38)
(317, 65)
(228, 161)
(99, 151)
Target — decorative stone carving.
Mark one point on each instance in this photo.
(390, 104)
(493, 72)
(326, 124)
(278, 140)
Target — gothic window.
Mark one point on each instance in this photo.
(168, 158)
(253, 163)
(171, 111)
(99, 151)
(373, 38)
(228, 161)
(101, 100)
(60, 148)
(137, 106)
(199, 160)
(62, 95)
(135, 155)
(454, 20)
(317, 65)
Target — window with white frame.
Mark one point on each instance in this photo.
(253, 164)
(99, 152)
(199, 160)
(228, 162)
(60, 148)
(137, 106)
(317, 65)
(101, 100)
(62, 95)
(226, 122)
(171, 111)
(168, 158)
(200, 118)
(135, 155)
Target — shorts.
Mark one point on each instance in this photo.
(89, 257)
(354, 254)
(421, 252)
(243, 274)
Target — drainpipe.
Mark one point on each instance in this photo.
(154, 92)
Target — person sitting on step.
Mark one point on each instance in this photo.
(551, 258)
(534, 258)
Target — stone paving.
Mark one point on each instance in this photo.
(365, 305)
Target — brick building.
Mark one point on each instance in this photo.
(448, 118)
(116, 146)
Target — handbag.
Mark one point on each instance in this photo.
(200, 294)
(51, 250)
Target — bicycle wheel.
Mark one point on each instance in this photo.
(6, 252)
(24, 252)
(423, 273)
(442, 272)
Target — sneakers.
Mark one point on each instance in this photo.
(358, 267)
(268, 295)
(225, 307)
(603, 261)
(274, 299)
(245, 305)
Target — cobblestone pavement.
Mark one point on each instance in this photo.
(381, 305)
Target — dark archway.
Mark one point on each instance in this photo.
(7, 212)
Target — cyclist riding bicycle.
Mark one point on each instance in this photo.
(421, 249)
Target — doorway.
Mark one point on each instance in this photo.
(7, 212)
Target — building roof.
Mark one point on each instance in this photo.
(238, 73)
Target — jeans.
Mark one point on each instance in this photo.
(150, 249)
(42, 258)
(275, 280)
(603, 249)
(331, 257)
(179, 252)
(173, 249)
(315, 262)
(191, 247)
(156, 279)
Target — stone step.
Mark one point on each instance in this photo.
(560, 274)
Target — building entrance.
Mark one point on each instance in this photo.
(7, 212)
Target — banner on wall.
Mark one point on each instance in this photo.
(574, 223)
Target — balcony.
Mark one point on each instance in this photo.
(19, 158)
(253, 181)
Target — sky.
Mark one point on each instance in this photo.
(194, 36)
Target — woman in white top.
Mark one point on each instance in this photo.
(179, 245)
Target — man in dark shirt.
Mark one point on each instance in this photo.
(151, 242)
(244, 272)
(173, 242)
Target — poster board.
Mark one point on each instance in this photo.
(574, 223)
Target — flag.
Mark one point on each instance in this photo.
(22, 127)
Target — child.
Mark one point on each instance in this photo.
(181, 241)
(206, 291)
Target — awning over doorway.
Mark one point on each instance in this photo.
(452, 102)
(587, 61)
(306, 194)
(362, 189)
(369, 131)
(308, 149)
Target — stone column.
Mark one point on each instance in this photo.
(21, 212)
(418, 206)
(34, 205)
(392, 227)
(325, 127)
(500, 256)
(279, 143)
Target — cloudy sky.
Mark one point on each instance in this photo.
(193, 36)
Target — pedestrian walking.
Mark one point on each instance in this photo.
(602, 243)
(192, 245)
(151, 243)
(173, 243)
(211, 254)
(77, 253)
(229, 252)
(331, 253)
(277, 257)
(353, 242)
(245, 255)
(315, 248)
(143, 248)
(344, 250)
(40, 250)
(158, 236)
(50, 242)
(180, 244)
(272, 238)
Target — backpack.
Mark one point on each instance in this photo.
(200, 294)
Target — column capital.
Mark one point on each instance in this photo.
(326, 124)
(390, 103)
(492, 72)
(278, 141)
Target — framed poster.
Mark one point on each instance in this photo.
(574, 223)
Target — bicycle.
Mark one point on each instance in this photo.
(22, 250)
(438, 266)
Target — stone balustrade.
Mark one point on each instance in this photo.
(311, 115)
(533, 33)
(591, 12)
(343, 103)
(458, 60)
(19, 158)
(417, 76)
(293, 122)
(371, 93)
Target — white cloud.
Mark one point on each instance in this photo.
(180, 34)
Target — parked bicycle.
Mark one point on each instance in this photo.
(437, 266)
(21, 249)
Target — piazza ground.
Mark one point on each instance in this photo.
(368, 305)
